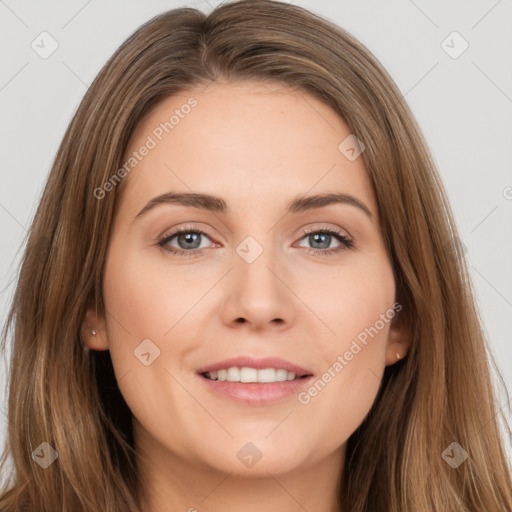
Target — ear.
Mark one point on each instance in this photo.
(399, 339)
(93, 331)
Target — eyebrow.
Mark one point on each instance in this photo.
(217, 204)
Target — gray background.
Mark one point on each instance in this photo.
(462, 104)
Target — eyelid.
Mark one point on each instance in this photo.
(325, 227)
(185, 228)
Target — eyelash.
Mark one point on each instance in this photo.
(346, 243)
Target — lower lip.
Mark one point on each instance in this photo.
(256, 393)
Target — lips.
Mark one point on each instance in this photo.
(258, 363)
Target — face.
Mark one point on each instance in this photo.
(309, 288)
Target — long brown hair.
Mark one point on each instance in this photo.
(62, 394)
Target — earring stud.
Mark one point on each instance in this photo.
(94, 332)
(397, 355)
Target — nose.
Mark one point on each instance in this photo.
(258, 293)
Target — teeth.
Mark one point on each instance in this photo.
(282, 375)
(246, 374)
(249, 375)
(233, 374)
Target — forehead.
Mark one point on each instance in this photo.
(246, 141)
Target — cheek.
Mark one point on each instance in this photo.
(145, 296)
(144, 301)
(351, 300)
(357, 305)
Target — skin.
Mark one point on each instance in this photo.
(256, 145)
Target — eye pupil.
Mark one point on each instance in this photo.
(189, 238)
(317, 237)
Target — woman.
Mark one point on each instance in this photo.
(179, 344)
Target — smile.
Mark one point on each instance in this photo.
(246, 374)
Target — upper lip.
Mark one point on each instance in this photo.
(252, 362)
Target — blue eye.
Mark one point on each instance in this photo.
(323, 237)
(187, 236)
(190, 241)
